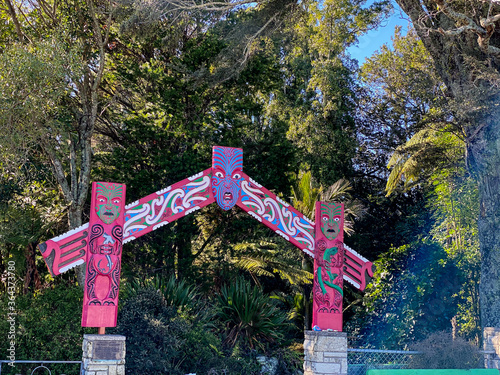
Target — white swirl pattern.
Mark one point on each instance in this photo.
(151, 215)
(292, 223)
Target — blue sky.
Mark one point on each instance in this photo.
(374, 39)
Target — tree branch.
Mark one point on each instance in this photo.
(15, 20)
(484, 31)
(58, 170)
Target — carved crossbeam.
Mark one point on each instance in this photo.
(227, 185)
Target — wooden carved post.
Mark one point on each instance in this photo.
(328, 266)
(102, 282)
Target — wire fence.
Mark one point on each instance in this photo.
(40, 367)
(361, 360)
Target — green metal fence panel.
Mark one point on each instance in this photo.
(433, 372)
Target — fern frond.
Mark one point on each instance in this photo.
(426, 149)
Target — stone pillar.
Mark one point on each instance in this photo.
(491, 347)
(103, 355)
(325, 353)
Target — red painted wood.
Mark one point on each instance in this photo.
(225, 180)
(141, 217)
(102, 281)
(276, 214)
(328, 266)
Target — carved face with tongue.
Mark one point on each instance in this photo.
(227, 165)
(331, 220)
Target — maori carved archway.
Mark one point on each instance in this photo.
(99, 243)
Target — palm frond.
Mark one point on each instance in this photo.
(338, 191)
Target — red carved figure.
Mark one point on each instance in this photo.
(328, 266)
(100, 301)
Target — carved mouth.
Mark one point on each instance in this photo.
(108, 213)
(228, 197)
(331, 230)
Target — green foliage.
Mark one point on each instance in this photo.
(290, 360)
(160, 341)
(47, 325)
(266, 258)
(455, 207)
(35, 81)
(30, 208)
(441, 351)
(250, 318)
(287, 94)
(427, 150)
(406, 112)
(403, 302)
(177, 293)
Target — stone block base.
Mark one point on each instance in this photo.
(103, 355)
(325, 353)
(491, 347)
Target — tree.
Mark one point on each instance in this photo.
(404, 110)
(49, 90)
(464, 44)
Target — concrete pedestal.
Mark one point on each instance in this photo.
(325, 353)
(491, 347)
(103, 355)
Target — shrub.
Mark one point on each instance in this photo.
(176, 292)
(290, 360)
(47, 326)
(161, 341)
(441, 351)
(250, 317)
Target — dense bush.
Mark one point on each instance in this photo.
(47, 326)
(441, 351)
(160, 340)
(250, 318)
(176, 293)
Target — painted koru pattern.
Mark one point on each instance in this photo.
(227, 167)
(357, 269)
(167, 205)
(276, 214)
(112, 224)
(102, 281)
(328, 266)
(65, 251)
(141, 217)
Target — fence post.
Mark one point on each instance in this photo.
(325, 353)
(103, 355)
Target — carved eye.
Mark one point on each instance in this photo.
(116, 201)
(236, 175)
(337, 219)
(102, 200)
(219, 174)
(325, 218)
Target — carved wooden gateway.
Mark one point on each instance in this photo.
(112, 224)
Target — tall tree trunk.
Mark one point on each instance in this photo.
(464, 44)
(485, 155)
(32, 276)
(15, 20)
